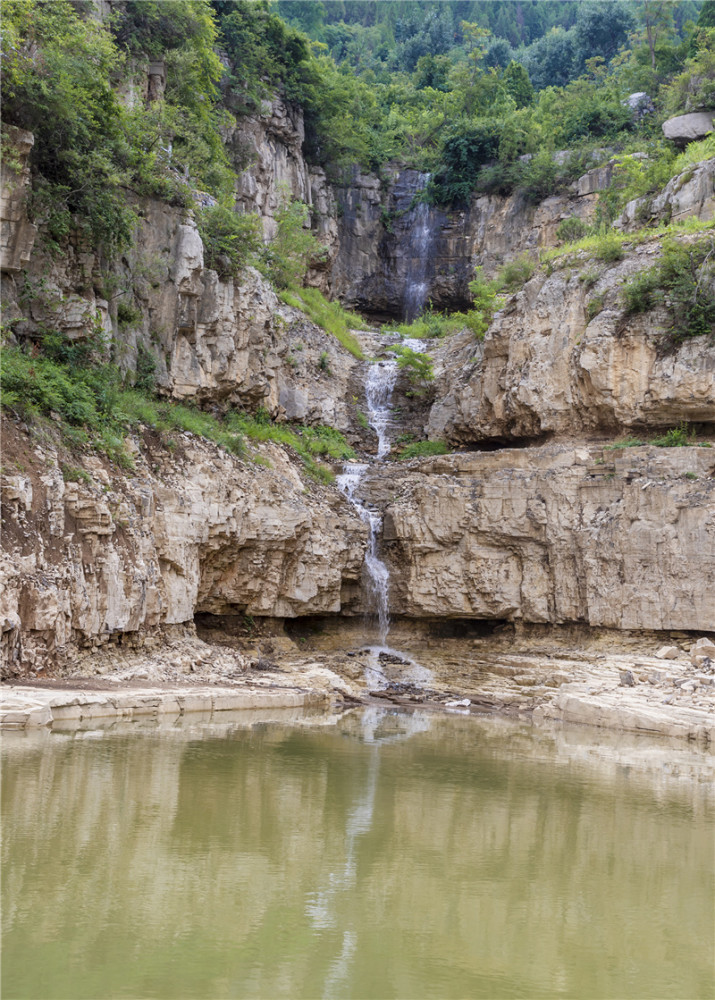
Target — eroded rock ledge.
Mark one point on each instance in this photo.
(623, 538)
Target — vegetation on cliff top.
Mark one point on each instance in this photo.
(481, 94)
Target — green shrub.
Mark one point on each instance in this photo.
(422, 449)
(127, 315)
(571, 229)
(642, 292)
(676, 437)
(609, 248)
(594, 306)
(417, 365)
(486, 302)
(229, 238)
(287, 258)
(515, 273)
(145, 375)
(683, 281)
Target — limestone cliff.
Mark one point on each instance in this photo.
(623, 539)
(570, 532)
(111, 555)
(562, 358)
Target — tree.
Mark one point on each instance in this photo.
(518, 85)
(657, 19)
(706, 18)
(602, 26)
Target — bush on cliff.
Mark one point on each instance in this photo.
(683, 281)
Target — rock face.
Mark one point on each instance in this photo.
(17, 233)
(691, 193)
(688, 128)
(397, 253)
(267, 150)
(225, 341)
(560, 358)
(90, 562)
(624, 539)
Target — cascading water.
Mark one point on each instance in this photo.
(419, 250)
(378, 390)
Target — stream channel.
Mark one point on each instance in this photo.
(379, 385)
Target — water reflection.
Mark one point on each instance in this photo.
(384, 854)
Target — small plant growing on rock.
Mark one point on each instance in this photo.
(571, 229)
(516, 273)
(594, 306)
(324, 362)
(417, 365)
(676, 437)
(609, 248)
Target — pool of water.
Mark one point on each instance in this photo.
(376, 854)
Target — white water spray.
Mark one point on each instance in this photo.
(421, 238)
(378, 389)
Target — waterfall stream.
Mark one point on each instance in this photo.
(421, 237)
(379, 385)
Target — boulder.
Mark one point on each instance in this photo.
(702, 648)
(688, 128)
(668, 653)
(640, 104)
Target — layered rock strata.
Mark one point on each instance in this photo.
(623, 539)
(112, 555)
(561, 358)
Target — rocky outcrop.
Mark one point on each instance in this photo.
(267, 151)
(688, 128)
(17, 233)
(689, 194)
(561, 358)
(96, 555)
(396, 253)
(226, 341)
(623, 539)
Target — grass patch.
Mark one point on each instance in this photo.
(307, 442)
(432, 325)
(676, 437)
(423, 449)
(594, 245)
(66, 381)
(330, 316)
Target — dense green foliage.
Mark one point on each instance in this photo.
(229, 239)
(416, 364)
(480, 94)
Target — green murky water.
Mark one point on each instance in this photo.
(380, 855)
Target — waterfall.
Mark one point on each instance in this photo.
(419, 249)
(379, 384)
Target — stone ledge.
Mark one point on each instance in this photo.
(26, 708)
(609, 713)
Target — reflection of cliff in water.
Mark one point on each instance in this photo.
(300, 860)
